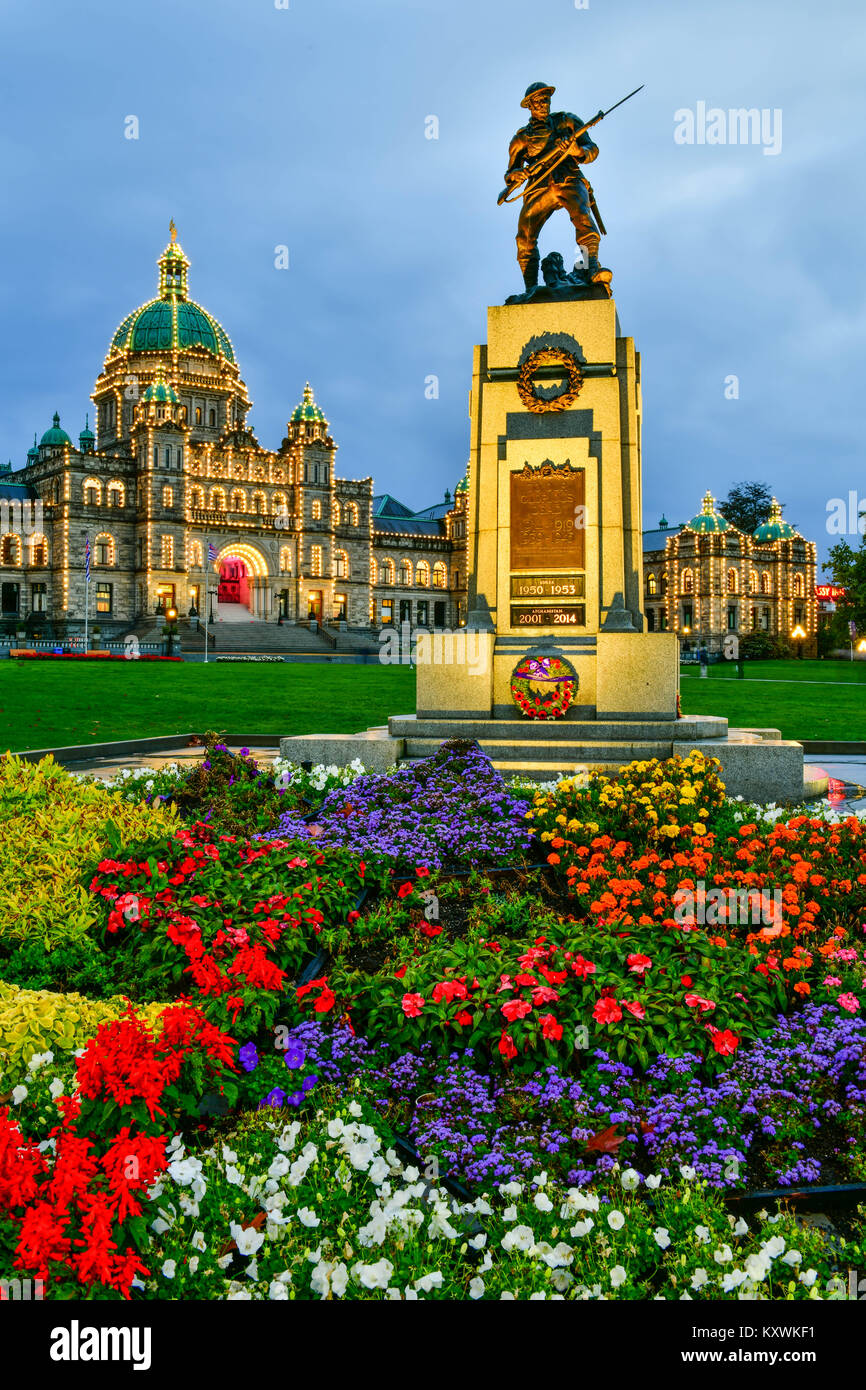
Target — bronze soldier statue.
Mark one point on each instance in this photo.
(546, 139)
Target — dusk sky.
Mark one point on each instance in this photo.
(305, 127)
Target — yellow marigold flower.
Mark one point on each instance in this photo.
(699, 828)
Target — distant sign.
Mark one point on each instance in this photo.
(831, 592)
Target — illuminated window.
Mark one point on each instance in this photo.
(39, 598)
(688, 582)
(316, 560)
(259, 502)
(405, 571)
(765, 582)
(104, 550)
(285, 559)
(238, 500)
(651, 585)
(92, 492)
(167, 497)
(440, 576)
(104, 598)
(195, 555)
(167, 552)
(198, 414)
(10, 550)
(422, 574)
(280, 504)
(217, 499)
(38, 551)
(196, 497)
(386, 573)
(733, 581)
(798, 586)
(116, 493)
(341, 565)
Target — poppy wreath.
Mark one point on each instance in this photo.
(544, 357)
(560, 677)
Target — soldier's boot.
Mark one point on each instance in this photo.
(598, 274)
(529, 266)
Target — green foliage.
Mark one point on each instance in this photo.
(747, 505)
(34, 1021)
(847, 567)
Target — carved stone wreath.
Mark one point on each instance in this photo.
(547, 357)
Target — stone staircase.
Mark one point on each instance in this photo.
(256, 638)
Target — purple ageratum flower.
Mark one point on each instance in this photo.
(248, 1056)
(295, 1056)
(274, 1098)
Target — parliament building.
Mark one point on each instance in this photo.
(172, 467)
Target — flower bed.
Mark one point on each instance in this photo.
(598, 1053)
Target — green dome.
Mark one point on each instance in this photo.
(160, 391)
(55, 438)
(164, 324)
(87, 432)
(709, 522)
(307, 410)
(774, 528)
(33, 452)
(172, 321)
(463, 485)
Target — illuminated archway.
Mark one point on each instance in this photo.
(250, 554)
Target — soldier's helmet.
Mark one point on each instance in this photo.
(534, 90)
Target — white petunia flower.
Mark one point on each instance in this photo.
(617, 1276)
(248, 1240)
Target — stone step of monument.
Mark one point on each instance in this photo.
(555, 753)
(637, 730)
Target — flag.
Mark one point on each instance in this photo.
(211, 552)
(87, 559)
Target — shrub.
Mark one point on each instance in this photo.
(33, 1021)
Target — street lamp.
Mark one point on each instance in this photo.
(799, 636)
(171, 619)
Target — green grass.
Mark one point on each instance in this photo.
(43, 705)
(805, 699)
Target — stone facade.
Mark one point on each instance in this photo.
(174, 467)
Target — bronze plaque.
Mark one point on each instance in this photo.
(542, 615)
(561, 586)
(548, 518)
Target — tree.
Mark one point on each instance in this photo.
(747, 505)
(848, 568)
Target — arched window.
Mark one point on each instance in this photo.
(238, 501)
(211, 418)
(651, 585)
(753, 582)
(217, 501)
(341, 564)
(198, 414)
(765, 582)
(10, 551)
(733, 581)
(664, 583)
(167, 456)
(104, 549)
(194, 553)
(405, 571)
(280, 504)
(92, 492)
(259, 502)
(196, 497)
(688, 582)
(798, 586)
(422, 574)
(285, 559)
(336, 513)
(116, 493)
(179, 456)
(440, 576)
(38, 550)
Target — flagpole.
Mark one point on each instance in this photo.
(206, 598)
(86, 589)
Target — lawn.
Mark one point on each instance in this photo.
(43, 705)
(805, 699)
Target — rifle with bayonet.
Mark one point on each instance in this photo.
(534, 176)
